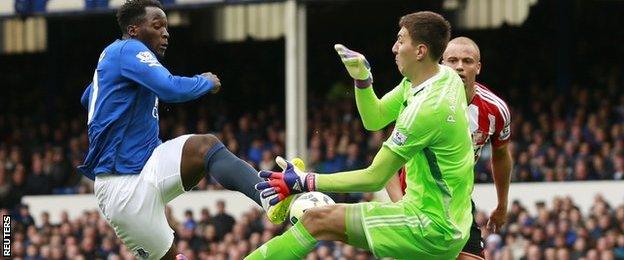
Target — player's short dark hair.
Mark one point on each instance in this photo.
(133, 12)
(428, 28)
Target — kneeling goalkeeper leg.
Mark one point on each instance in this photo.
(322, 223)
(382, 228)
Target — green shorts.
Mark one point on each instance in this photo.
(388, 230)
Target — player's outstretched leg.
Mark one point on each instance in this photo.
(322, 223)
(386, 229)
(206, 154)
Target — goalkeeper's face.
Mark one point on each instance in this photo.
(406, 54)
(464, 59)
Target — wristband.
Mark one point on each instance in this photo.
(310, 182)
(359, 83)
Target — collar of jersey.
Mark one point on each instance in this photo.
(428, 81)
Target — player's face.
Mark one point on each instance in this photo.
(153, 31)
(462, 58)
(406, 54)
(403, 51)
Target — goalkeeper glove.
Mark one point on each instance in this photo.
(288, 182)
(357, 66)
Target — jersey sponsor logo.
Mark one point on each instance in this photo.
(148, 58)
(399, 138)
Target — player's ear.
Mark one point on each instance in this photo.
(132, 30)
(421, 51)
(478, 67)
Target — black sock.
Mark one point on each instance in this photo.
(231, 172)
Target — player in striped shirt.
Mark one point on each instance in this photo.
(489, 121)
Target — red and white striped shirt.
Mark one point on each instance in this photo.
(490, 119)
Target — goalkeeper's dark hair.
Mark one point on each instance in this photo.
(132, 12)
(428, 28)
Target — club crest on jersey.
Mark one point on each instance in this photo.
(398, 138)
(148, 58)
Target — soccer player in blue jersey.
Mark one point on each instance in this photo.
(135, 173)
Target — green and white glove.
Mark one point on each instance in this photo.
(357, 66)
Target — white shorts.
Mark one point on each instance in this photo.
(134, 205)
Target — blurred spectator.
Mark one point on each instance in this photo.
(268, 161)
(37, 183)
(189, 222)
(223, 222)
(5, 188)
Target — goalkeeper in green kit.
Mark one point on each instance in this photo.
(431, 138)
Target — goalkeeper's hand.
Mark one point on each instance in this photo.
(357, 66)
(291, 180)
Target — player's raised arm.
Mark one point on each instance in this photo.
(375, 113)
(140, 65)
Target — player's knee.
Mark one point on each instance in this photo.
(321, 221)
(314, 219)
(205, 143)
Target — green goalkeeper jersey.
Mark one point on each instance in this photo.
(432, 134)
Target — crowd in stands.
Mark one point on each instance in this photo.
(560, 231)
(578, 135)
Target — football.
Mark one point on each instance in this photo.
(306, 201)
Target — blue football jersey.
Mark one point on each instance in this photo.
(122, 104)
